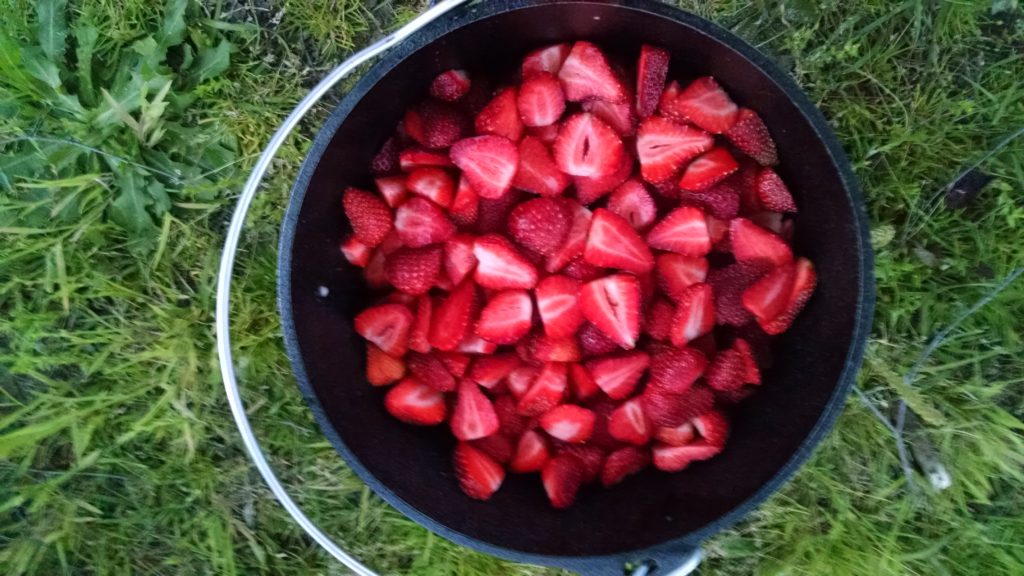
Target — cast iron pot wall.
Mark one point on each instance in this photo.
(815, 362)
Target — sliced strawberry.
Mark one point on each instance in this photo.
(466, 204)
(497, 446)
(583, 386)
(479, 475)
(613, 243)
(541, 225)
(431, 371)
(718, 233)
(357, 253)
(680, 435)
(586, 74)
(562, 477)
(413, 402)
(675, 458)
(593, 341)
(420, 222)
(433, 184)
(804, 282)
(751, 243)
(413, 158)
(386, 160)
(531, 453)
(628, 423)
(575, 240)
(368, 214)
(489, 371)
(768, 220)
(580, 269)
(382, 369)
(668, 103)
(707, 105)
(520, 380)
(623, 462)
(708, 169)
(375, 273)
(501, 116)
(588, 147)
(665, 409)
(493, 214)
(729, 283)
(548, 59)
(658, 322)
(537, 170)
(683, 231)
(393, 189)
(558, 305)
(745, 180)
(459, 260)
(676, 273)
(506, 318)
(414, 270)
(634, 204)
(452, 318)
(676, 370)
(387, 326)
(721, 200)
(455, 362)
(733, 368)
(473, 344)
(651, 70)
(488, 162)
(664, 146)
(500, 266)
(450, 85)
(547, 349)
(569, 423)
(713, 427)
(590, 190)
(751, 136)
(435, 124)
(695, 314)
(546, 391)
(612, 304)
(767, 297)
(591, 459)
(511, 423)
(620, 116)
(772, 192)
(474, 416)
(540, 100)
(546, 134)
(419, 336)
(618, 375)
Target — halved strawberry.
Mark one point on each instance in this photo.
(548, 59)
(751, 136)
(387, 326)
(459, 260)
(583, 386)
(506, 318)
(613, 243)
(651, 70)
(374, 273)
(683, 231)
(540, 100)
(680, 435)
(619, 374)
(664, 146)
(619, 115)
(520, 380)
(546, 349)
(436, 124)
(713, 427)
(386, 159)
(420, 222)
(546, 134)
(393, 189)
(708, 169)
(473, 344)
(546, 390)
(721, 200)
(414, 270)
(413, 402)
(623, 462)
(488, 371)
(804, 282)
(580, 269)
(450, 85)
(455, 362)
(590, 190)
(537, 170)
(466, 204)
(479, 475)
(667, 104)
(729, 283)
(676, 370)
(676, 273)
(501, 266)
(562, 477)
(773, 193)
(632, 201)
(498, 446)
(488, 162)
(357, 253)
(382, 369)
(707, 105)
(474, 415)
(767, 297)
(429, 369)
(665, 409)
(575, 240)
(501, 116)
(531, 453)
(432, 183)
(591, 458)
(451, 319)
(558, 305)
(675, 458)
(718, 232)
(695, 314)
(658, 321)
(493, 213)
(413, 158)
(511, 423)
(612, 304)
(586, 74)
(541, 225)
(369, 215)
(586, 146)
(751, 243)
(733, 368)
(628, 423)
(568, 423)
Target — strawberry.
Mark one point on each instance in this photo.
(459, 260)
(501, 116)
(591, 459)
(414, 270)
(728, 285)
(493, 213)
(466, 204)
(706, 104)
(580, 269)
(562, 477)
(436, 124)
(498, 446)
(375, 273)
(474, 415)
(413, 402)
(745, 180)
(767, 297)
(664, 146)
(500, 266)
(721, 200)
(488, 162)
(433, 184)
(450, 85)
(546, 391)
(506, 318)
(718, 233)
(520, 380)
(586, 74)
(618, 375)
(665, 409)
(768, 220)
(713, 427)
(357, 253)
(634, 204)
(620, 116)
(575, 240)
(455, 362)
(676, 370)
(531, 453)
(548, 59)
(558, 305)
(695, 314)
(677, 273)
(540, 225)
(612, 304)
(489, 371)
(537, 170)
(680, 435)
(382, 369)
(478, 474)
(675, 458)
(583, 386)
(668, 103)
(569, 423)
(623, 462)
(707, 169)
(651, 70)
(750, 135)
(586, 146)
(658, 322)
(511, 423)
(368, 214)
(546, 349)
(683, 231)
(628, 423)
(387, 326)
(612, 243)
(540, 100)
(386, 160)
(451, 319)
(591, 189)
(546, 134)
(751, 243)
(431, 371)
(473, 344)
(420, 222)
(733, 368)
(772, 192)
(804, 282)
(393, 189)
(413, 158)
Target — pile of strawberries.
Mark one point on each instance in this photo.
(582, 275)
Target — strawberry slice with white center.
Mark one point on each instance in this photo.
(500, 266)
(548, 59)
(575, 240)
(708, 169)
(473, 344)
(767, 297)
(538, 172)
(546, 391)
(675, 370)
(590, 190)
(488, 162)
(622, 463)
(751, 136)
(751, 243)
(562, 477)
(586, 146)
(713, 427)
(540, 101)
(618, 375)
(612, 304)
(459, 260)
(382, 369)
(772, 192)
(680, 435)
(707, 105)
(387, 326)
(675, 458)
(432, 183)
(613, 243)
(479, 475)
(451, 319)
(357, 253)
(393, 189)
(676, 273)
(420, 222)
(583, 386)
(501, 116)
(683, 231)
(651, 71)
(414, 270)
(431, 371)
(569, 423)
(804, 281)
(558, 304)
(489, 371)
(474, 415)
(531, 453)
(413, 158)
(506, 318)
(369, 215)
(664, 146)
(520, 379)
(620, 116)
(546, 349)
(628, 423)
(636, 206)
(695, 314)
(587, 74)
(413, 402)
(450, 85)
(540, 225)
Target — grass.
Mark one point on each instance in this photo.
(117, 451)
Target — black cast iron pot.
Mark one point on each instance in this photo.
(653, 516)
